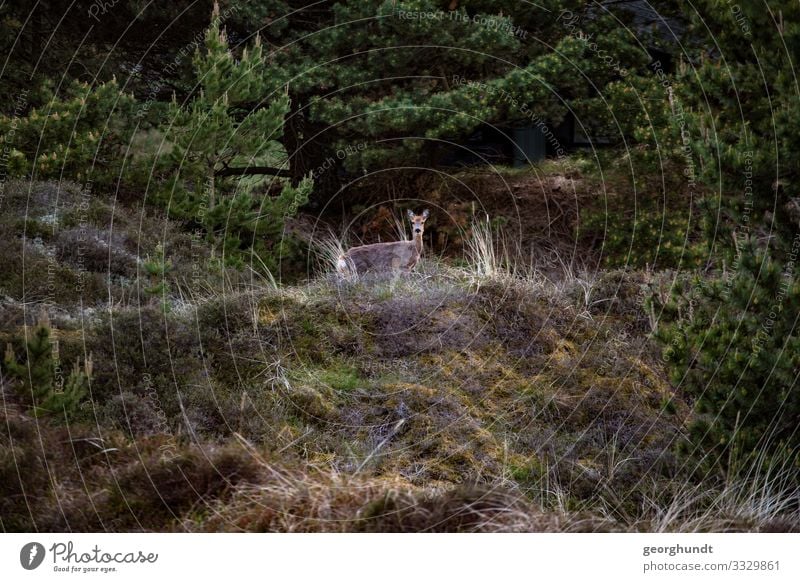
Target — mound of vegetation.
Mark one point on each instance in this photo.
(451, 399)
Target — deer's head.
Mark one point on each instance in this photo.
(418, 221)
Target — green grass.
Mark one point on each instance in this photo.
(337, 376)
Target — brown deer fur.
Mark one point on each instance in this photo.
(386, 257)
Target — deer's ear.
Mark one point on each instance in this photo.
(426, 213)
(411, 214)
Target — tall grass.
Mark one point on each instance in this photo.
(763, 502)
(486, 252)
(327, 249)
(490, 256)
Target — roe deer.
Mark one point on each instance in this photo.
(390, 256)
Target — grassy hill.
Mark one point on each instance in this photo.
(459, 398)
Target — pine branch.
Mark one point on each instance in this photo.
(253, 171)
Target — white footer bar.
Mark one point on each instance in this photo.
(406, 557)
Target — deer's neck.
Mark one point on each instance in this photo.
(418, 243)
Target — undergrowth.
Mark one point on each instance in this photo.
(497, 395)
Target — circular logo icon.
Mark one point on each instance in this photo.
(31, 555)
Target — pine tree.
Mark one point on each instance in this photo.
(741, 117)
(735, 352)
(157, 268)
(401, 77)
(224, 141)
(68, 400)
(733, 342)
(80, 133)
(35, 377)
